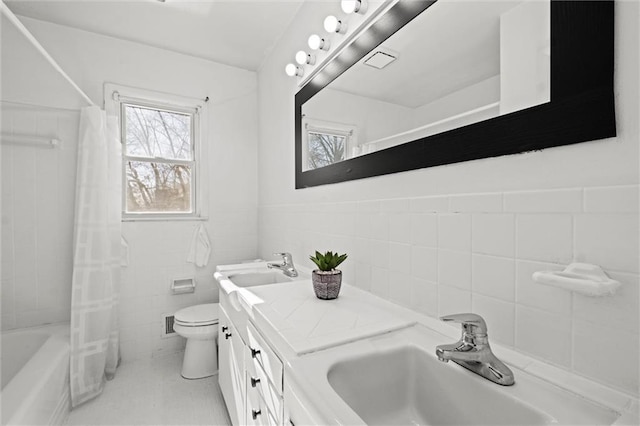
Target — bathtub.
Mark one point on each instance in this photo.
(35, 375)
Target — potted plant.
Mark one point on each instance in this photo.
(327, 279)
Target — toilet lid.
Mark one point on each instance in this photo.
(198, 315)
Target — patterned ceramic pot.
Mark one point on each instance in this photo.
(326, 284)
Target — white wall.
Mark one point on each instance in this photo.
(38, 190)
(466, 237)
(158, 249)
(373, 119)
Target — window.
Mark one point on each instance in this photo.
(160, 156)
(327, 143)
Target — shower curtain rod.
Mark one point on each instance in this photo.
(15, 21)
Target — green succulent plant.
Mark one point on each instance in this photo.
(328, 261)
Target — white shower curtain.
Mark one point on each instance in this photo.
(96, 259)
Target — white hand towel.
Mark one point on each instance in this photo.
(200, 247)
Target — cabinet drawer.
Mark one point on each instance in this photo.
(257, 381)
(257, 411)
(264, 357)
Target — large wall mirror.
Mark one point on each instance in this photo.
(439, 82)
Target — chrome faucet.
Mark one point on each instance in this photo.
(473, 352)
(286, 266)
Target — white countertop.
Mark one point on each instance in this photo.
(308, 324)
(296, 323)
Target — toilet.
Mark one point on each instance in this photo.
(199, 325)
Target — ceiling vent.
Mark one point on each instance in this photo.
(380, 59)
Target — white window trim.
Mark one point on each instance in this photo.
(311, 125)
(116, 95)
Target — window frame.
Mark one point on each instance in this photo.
(117, 98)
(348, 131)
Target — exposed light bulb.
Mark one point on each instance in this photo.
(334, 25)
(354, 6)
(303, 58)
(316, 42)
(293, 70)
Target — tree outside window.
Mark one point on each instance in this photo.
(159, 160)
(325, 149)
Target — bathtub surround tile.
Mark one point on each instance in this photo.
(554, 201)
(474, 203)
(544, 335)
(493, 234)
(608, 240)
(454, 269)
(454, 232)
(493, 276)
(532, 294)
(544, 237)
(612, 199)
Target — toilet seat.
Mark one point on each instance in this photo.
(197, 316)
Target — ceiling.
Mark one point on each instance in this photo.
(452, 45)
(240, 33)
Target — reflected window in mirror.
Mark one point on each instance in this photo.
(327, 142)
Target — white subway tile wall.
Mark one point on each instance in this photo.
(158, 252)
(38, 196)
(477, 252)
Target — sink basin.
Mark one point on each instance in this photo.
(251, 279)
(396, 379)
(407, 386)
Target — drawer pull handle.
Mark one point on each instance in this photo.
(227, 335)
(255, 414)
(224, 328)
(254, 381)
(254, 352)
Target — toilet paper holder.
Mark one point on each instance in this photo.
(183, 285)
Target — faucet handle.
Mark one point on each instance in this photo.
(471, 323)
(285, 256)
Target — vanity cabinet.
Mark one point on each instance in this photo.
(264, 371)
(231, 371)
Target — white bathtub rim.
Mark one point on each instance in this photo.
(17, 400)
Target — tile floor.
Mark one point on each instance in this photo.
(154, 393)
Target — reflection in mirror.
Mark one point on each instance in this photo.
(457, 63)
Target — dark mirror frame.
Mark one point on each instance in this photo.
(582, 106)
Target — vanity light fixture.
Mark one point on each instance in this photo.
(316, 42)
(293, 70)
(334, 25)
(354, 6)
(304, 58)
